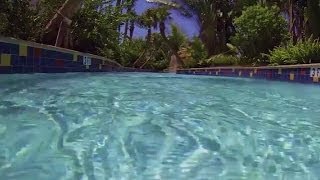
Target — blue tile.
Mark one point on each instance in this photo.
(30, 51)
(14, 49)
(36, 61)
(29, 61)
(17, 69)
(28, 69)
(95, 61)
(69, 57)
(5, 70)
(47, 62)
(15, 60)
(44, 53)
(51, 54)
(23, 60)
(61, 55)
(4, 48)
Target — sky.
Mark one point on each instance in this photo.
(186, 25)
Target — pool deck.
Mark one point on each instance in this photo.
(301, 73)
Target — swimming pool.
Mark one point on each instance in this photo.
(157, 126)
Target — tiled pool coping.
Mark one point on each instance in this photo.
(304, 73)
(17, 56)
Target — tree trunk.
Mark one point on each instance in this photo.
(149, 33)
(125, 34)
(118, 3)
(291, 20)
(131, 29)
(313, 14)
(129, 10)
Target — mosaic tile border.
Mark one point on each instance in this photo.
(18, 56)
(306, 73)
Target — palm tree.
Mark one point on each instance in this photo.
(155, 18)
(212, 16)
(130, 21)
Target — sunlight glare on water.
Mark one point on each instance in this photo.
(157, 126)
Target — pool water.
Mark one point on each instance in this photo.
(157, 126)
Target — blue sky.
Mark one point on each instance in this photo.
(186, 25)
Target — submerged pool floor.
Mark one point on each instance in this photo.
(157, 126)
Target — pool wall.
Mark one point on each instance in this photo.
(307, 73)
(18, 56)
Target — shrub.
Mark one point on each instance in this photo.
(199, 51)
(222, 60)
(193, 53)
(304, 52)
(259, 29)
(131, 51)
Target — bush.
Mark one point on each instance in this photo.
(222, 60)
(198, 50)
(304, 52)
(176, 38)
(131, 51)
(193, 53)
(259, 30)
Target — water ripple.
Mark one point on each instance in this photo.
(156, 126)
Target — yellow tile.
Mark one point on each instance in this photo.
(87, 66)
(240, 73)
(100, 66)
(291, 76)
(251, 74)
(5, 60)
(255, 71)
(279, 71)
(315, 79)
(75, 57)
(23, 50)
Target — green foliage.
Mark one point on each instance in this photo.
(194, 53)
(198, 49)
(159, 53)
(19, 20)
(176, 38)
(259, 30)
(222, 60)
(93, 30)
(131, 51)
(3, 22)
(304, 52)
(313, 14)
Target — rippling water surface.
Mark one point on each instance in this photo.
(157, 126)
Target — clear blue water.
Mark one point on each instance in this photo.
(157, 126)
